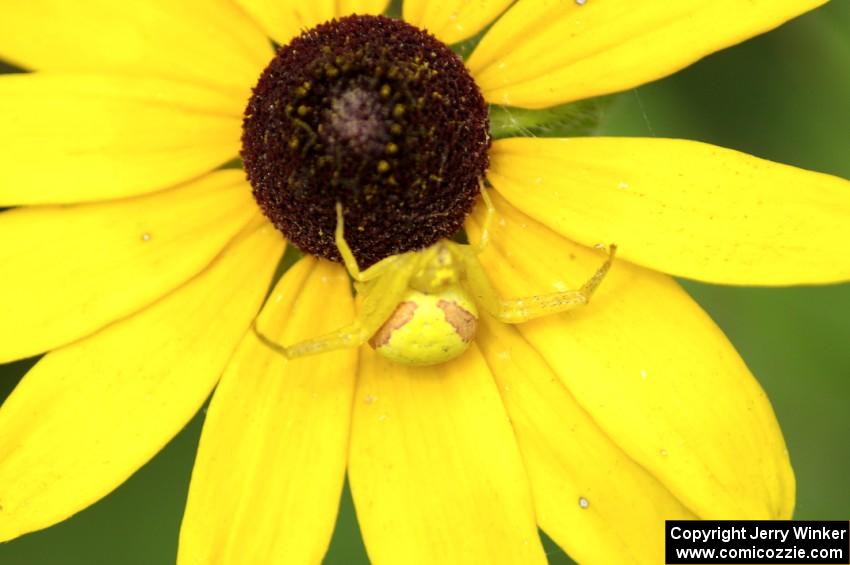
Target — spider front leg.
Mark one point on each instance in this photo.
(349, 336)
(518, 310)
(487, 225)
(380, 297)
(348, 258)
(353, 335)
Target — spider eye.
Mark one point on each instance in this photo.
(427, 329)
(373, 113)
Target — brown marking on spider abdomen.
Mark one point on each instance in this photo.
(462, 321)
(402, 314)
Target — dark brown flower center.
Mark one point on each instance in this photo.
(373, 113)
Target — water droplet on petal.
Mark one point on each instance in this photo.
(146, 236)
(583, 502)
(663, 453)
(369, 399)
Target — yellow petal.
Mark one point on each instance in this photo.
(567, 51)
(90, 414)
(683, 207)
(579, 477)
(74, 138)
(200, 41)
(69, 271)
(453, 20)
(653, 371)
(284, 19)
(347, 7)
(434, 467)
(271, 463)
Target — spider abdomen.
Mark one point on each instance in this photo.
(428, 328)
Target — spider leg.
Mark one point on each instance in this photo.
(518, 310)
(488, 221)
(350, 261)
(380, 299)
(348, 336)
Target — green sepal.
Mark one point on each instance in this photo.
(464, 49)
(567, 120)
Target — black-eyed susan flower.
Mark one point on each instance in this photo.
(139, 266)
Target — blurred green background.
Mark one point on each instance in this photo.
(783, 96)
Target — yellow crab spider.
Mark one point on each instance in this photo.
(421, 307)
